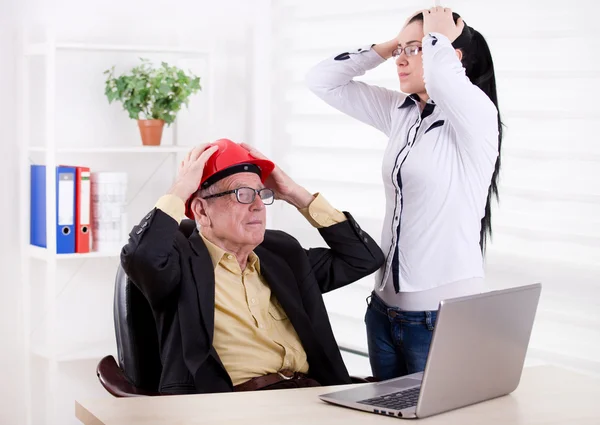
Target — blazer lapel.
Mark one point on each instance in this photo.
(284, 286)
(204, 277)
(204, 280)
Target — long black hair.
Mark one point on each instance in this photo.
(479, 67)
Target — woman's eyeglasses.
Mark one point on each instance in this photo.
(408, 50)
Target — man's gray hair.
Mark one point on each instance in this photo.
(210, 190)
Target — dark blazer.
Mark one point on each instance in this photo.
(176, 276)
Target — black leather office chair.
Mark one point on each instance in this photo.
(139, 367)
(138, 370)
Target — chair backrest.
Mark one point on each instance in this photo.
(137, 340)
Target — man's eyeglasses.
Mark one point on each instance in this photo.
(246, 195)
(409, 50)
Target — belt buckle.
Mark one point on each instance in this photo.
(287, 378)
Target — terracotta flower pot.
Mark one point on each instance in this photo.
(151, 131)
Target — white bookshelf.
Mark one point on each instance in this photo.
(116, 149)
(38, 253)
(58, 346)
(73, 352)
(44, 48)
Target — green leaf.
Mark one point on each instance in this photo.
(152, 92)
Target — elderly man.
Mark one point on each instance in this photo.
(238, 307)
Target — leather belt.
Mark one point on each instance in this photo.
(272, 378)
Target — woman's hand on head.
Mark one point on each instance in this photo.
(440, 20)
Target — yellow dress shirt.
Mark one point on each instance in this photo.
(253, 336)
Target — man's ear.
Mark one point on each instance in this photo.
(459, 53)
(199, 207)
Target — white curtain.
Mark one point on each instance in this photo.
(547, 225)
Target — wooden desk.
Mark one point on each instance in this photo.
(546, 395)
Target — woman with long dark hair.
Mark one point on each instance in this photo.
(440, 173)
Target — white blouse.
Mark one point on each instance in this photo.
(437, 166)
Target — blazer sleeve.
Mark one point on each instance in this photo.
(151, 257)
(352, 255)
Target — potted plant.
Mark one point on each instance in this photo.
(151, 95)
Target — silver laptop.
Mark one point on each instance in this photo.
(477, 353)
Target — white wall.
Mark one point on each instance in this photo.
(11, 396)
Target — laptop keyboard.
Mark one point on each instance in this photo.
(397, 401)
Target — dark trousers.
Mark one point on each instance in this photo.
(398, 340)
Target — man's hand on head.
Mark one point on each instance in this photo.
(191, 170)
(284, 186)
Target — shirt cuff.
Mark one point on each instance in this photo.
(320, 213)
(436, 39)
(366, 57)
(172, 205)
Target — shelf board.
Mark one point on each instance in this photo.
(45, 48)
(116, 149)
(42, 254)
(81, 352)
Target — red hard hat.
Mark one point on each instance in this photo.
(229, 159)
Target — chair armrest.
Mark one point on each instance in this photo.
(113, 379)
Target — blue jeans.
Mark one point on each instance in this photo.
(398, 340)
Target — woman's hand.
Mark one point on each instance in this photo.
(439, 19)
